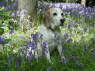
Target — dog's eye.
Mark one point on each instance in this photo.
(55, 14)
(62, 14)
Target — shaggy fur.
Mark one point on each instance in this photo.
(51, 34)
(50, 30)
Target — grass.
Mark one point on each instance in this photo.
(78, 49)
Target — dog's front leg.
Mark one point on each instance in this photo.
(39, 49)
(60, 50)
(48, 56)
(46, 50)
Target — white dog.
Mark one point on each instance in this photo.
(51, 34)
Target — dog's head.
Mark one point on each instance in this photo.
(54, 17)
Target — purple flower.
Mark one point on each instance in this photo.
(30, 53)
(72, 25)
(85, 48)
(1, 40)
(73, 57)
(65, 60)
(13, 6)
(66, 35)
(69, 8)
(49, 68)
(2, 3)
(32, 44)
(69, 40)
(77, 63)
(34, 36)
(56, 36)
(45, 46)
(18, 63)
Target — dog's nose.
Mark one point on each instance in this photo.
(62, 20)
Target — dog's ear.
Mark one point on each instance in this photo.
(46, 18)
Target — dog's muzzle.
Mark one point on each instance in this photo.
(62, 22)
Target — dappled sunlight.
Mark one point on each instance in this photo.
(19, 39)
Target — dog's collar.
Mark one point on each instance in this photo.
(56, 29)
(51, 29)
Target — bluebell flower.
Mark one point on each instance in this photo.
(69, 40)
(1, 40)
(2, 3)
(30, 53)
(65, 60)
(73, 57)
(78, 63)
(72, 25)
(34, 36)
(18, 63)
(56, 36)
(49, 69)
(13, 6)
(71, 8)
(66, 35)
(45, 46)
(86, 47)
(32, 44)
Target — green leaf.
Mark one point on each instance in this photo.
(1, 31)
(7, 40)
(1, 8)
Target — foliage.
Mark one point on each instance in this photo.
(7, 25)
(79, 42)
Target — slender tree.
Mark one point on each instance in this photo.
(83, 2)
(71, 1)
(27, 10)
(28, 5)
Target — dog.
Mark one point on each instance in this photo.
(51, 34)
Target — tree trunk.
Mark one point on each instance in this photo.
(29, 5)
(83, 2)
(70, 1)
(27, 10)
